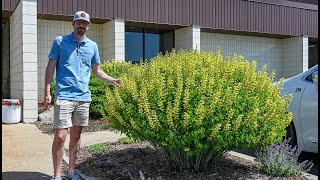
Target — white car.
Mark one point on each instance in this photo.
(303, 130)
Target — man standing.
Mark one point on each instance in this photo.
(72, 56)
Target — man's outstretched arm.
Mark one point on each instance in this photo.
(103, 76)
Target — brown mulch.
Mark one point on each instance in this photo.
(125, 160)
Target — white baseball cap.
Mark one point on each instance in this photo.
(81, 15)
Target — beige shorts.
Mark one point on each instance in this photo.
(68, 113)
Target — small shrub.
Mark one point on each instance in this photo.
(127, 140)
(98, 87)
(53, 89)
(98, 148)
(282, 160)
(104, 126)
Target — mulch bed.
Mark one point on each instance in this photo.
(124, 159)
(94, 125)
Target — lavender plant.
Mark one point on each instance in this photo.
(282, 160)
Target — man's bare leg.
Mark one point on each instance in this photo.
(74, 146)
(58, 149)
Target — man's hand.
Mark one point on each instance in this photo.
(116, 82)
(47, 101)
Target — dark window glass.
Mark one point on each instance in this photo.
(133, 46)
(144, 44)
(152, 42)
(310, 77)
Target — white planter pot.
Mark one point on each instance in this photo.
(11, 114)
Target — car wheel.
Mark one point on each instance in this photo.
(291, 133)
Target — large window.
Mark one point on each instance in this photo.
(144, 44)
(134, 46)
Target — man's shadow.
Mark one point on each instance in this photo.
(18, 175)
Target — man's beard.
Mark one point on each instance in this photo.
(81, 31)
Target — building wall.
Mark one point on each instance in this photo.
(261, 16)
(113, 40)
(294, 56)
(23, 58)
(47, 31)
(187, 38)
(30, 79)
(16, 57)
(285, 56)
(262, 50)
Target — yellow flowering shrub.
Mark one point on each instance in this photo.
(192, 105)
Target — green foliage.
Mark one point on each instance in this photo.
(98, 87)
(104, 126)
(98, 148)
(196, 98)
(282, 160)
(127, 140)
(53, 89)
(195, 105)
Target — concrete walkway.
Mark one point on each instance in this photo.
(26, 151)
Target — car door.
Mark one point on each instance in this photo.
(309, 115)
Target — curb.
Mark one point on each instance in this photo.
(84, 177)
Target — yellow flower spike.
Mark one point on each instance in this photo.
(227, 127)
(169, 117)
(134, 125)
(186, 119)
(214, 132)
(200, 113)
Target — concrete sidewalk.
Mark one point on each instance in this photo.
(26, 151)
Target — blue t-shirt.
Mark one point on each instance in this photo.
(74, 61)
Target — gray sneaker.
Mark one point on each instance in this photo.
(56, 178)
(73, 176)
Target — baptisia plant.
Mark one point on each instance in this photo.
(196, 106)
